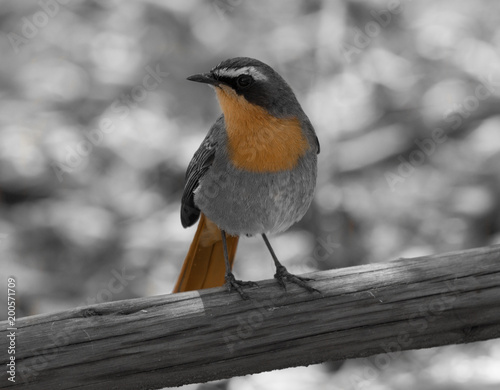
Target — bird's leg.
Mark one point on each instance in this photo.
(231, 282)
(282, 273)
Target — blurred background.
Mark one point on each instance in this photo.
(98, 125)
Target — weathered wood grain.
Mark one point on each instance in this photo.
(171, 340)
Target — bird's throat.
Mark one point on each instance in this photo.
(258, 141)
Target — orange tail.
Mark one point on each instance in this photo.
(204, 265)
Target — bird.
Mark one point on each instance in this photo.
(253, 174)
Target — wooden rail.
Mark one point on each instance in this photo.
(171, 340)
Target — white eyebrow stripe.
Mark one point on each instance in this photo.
(248, 70)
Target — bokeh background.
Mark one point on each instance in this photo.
(98, 124)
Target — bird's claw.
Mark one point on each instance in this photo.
(233, 284)
(283, 275)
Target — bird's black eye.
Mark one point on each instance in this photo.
(244, 81)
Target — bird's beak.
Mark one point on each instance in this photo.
(206, 78)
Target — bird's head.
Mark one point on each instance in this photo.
(242, 80)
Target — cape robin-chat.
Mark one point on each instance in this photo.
(254, 173)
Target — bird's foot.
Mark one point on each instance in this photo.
(283, 275)
(233, 284)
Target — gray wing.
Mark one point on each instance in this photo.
(311, 132)
(199, 165)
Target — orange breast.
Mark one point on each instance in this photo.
(258, 141)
